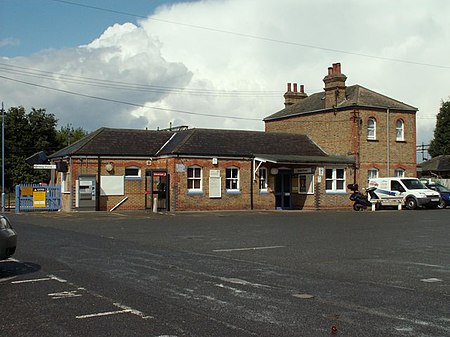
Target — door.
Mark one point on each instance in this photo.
(156, 190)
(283, 187)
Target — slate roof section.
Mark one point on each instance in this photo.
(117, 142)
(356, 96)
(238, 143)
(278, 147)
(437, 164)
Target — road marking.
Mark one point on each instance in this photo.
(108, 313)
(243, 282)
(431, 280)
(64, 294)
(33, 280)
(49, 278)
(248, 248)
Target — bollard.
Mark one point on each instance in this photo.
(155, 205)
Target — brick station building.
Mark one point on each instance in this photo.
(309, 152)
(352, 120)
(195, 169)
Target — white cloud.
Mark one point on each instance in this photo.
(298, 39)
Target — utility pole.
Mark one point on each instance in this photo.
(3, 159)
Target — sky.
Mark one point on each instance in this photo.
(215, 63)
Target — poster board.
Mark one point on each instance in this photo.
(215, 184)
(112, 185)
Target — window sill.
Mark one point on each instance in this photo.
(195, 193)
(372, 140)
(232, 192)
(335, 192)
(133, 178)
(400, 141)
(263, 192)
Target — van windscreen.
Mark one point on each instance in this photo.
(413, 184)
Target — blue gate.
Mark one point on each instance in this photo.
(36, 197)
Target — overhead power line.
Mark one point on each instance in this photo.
(256, 37)
(121, 85)
(127, 103)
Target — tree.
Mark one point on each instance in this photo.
(441, 141)
(26, 134)
(68, 135)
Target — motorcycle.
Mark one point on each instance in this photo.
(361, 201)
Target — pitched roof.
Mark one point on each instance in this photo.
(278, 147)
(437, 164)
(355, 96)
(210, 142)
(117, 142)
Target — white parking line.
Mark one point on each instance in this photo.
(33, 280)
(248, 248)
(50, 278)
(108, 313)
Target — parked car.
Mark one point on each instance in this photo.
(443, 191)
(8, 238)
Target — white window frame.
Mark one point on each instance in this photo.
(193, 178)
(372, 173)
(400, 130)
(138, 175)
(371, 129)
(65, 178)
(232, 180)
(309, 183)
(263, 184)
(399, 173)
(334, 180)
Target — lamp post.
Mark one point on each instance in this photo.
(3, 159)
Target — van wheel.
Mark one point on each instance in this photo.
(411, 203)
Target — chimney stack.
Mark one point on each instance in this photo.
(334, 86)
(294, 96)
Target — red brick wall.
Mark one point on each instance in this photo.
(345, 132)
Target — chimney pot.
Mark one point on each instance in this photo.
(338, 68)
(330, 71)
(289, 87)
(295, 87)
(302, 88)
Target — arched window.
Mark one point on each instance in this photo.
(371, 128)
(400, 130)
(399, 173)
(372, 173)
(132, 171)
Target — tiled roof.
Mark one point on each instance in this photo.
(436, 164)
(210, 142)
(117, 142)
(279, 147)
(356, 96)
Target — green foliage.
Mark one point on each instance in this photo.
(68, 135)
(26, 134)
(441, 142)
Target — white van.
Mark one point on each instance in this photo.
(414, 192)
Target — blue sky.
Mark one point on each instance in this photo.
(34, 25)
(216, 63)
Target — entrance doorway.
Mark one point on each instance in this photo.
(157, 190)
(283, 187)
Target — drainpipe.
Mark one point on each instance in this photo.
(388, 145)
(251, 184)
(97, 185)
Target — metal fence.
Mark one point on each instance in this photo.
(36, 198)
